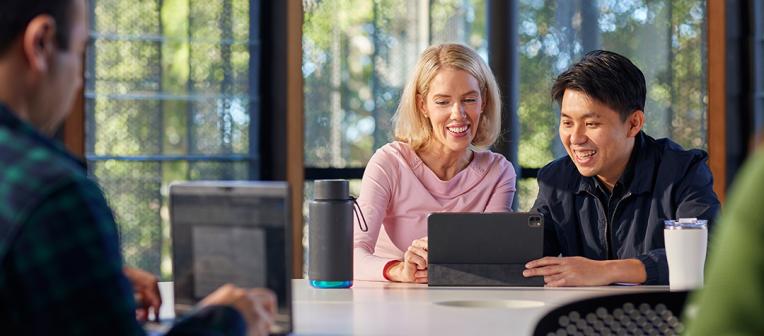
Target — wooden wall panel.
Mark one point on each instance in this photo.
(717, 96)
(295, 129)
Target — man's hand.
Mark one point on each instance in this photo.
(413, 268)
(580, 271)
(257, 306)
(146, 292)
(569, 271)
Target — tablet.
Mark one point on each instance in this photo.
(483, 249)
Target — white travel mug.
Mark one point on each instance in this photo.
(686, 241)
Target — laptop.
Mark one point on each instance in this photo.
(483, 249)
(231, 232)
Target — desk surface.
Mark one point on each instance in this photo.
(381, 308)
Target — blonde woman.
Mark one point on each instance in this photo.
(448, 116)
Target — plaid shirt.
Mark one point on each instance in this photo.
(60, 261)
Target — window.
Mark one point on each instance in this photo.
(357, 56)
(172, 87)
(355, 63)
(665, 39)
(170, 91)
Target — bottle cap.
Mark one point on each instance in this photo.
(331, 190)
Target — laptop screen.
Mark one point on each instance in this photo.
(231, 232)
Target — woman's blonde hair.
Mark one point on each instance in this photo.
(410, 124)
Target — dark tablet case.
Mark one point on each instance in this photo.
(483, 249)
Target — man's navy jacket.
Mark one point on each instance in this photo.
(662, 181)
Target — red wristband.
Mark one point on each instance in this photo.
(387, 267)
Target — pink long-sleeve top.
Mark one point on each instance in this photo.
(398, 191)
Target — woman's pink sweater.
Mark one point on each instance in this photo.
(398, 191)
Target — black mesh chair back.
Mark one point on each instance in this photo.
(651, 313)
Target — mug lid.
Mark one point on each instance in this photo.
(685, 223)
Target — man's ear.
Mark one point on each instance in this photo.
(39, 42)
(636, 121)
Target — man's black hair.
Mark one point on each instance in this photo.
(15, 15)
(607, 77)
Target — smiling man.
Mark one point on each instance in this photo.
(605, 202)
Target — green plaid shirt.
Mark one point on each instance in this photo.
(60, 261)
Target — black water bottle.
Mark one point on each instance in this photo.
(330, 232)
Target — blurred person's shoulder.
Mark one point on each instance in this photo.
(34, 167)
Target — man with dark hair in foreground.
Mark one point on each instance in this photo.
(61, 271)
(605, 202)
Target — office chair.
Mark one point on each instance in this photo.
(651, 313)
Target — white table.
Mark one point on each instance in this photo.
(382, 308)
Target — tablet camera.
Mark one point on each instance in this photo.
(534, 221)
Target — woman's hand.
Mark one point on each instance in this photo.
(413, 268)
